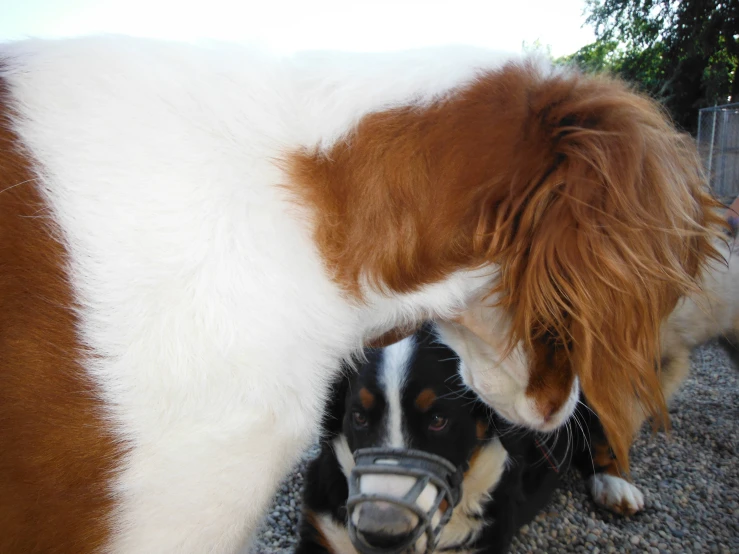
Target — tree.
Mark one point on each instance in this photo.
(684, 53)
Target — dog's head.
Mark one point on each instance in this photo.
(586, 207)
(409, 396)
(535, 386)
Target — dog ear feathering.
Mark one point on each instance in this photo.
(590, 205)
(602, 237)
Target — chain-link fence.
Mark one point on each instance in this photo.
(718, 140)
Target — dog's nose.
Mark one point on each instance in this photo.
(384, 525)
(549, 409)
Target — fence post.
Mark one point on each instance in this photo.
(710, 144)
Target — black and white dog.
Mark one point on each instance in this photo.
(413, 462)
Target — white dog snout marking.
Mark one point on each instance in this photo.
(392, 376)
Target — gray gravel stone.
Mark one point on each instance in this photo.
(690, 479)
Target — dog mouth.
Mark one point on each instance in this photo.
(400, 500)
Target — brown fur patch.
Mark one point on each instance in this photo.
(391, 337)
(321, 539)
(366, 398)
(605, 461)
(550, 375)
(57, 452)
(481, 430)
(425, 400)
(592, 205)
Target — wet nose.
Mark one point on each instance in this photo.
(384, 525)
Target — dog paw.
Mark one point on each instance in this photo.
(616, 494)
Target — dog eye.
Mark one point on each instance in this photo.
(359, 419)
(438, 423)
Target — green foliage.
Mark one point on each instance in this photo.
(683, 53)
(536, 47)
(602, 55)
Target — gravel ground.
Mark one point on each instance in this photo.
(690, 480)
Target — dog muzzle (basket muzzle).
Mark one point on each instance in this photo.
(400, 500)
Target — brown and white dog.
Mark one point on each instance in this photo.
(698, 319)
(193, 238)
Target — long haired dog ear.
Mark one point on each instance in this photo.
(606, 223)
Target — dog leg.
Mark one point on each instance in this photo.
(616, 494)
(607, 482)
(609, 485)
(675, 369)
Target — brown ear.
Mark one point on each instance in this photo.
(610, 227)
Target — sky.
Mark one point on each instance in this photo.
(288, 26)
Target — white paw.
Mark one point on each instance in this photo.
(616, 494)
